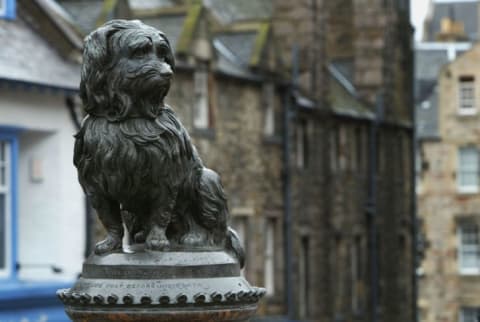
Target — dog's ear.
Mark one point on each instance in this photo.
(96, 58)
(170, 57)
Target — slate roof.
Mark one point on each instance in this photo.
(171, 25)
(227, 63)
(149, 4)
(26, 57)
(343, 97)
(428, 62)
(229, 11)
(345, 67)
(466, 11)
(240, 45)
(85, 13)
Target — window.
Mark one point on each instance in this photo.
(269, 101)
(356, 256)
(269, 269)
(358, 150)
(469, 249)
(418, 169)
(201, 113)
(467, 95)
(468, 314)
(5, 213)
(301, 136)
(333, 149)
(468, 170)
(304, 277)
(3, 7)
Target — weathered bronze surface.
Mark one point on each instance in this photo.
(139, 168)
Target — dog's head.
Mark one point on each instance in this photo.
(126, 71)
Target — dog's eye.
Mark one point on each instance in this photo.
(163, 50)
(141, 51)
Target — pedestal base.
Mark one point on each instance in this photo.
(161, 286)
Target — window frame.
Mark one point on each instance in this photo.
(9, 274)
(462, 85)
(462, 188)
(460, 233)
(461, 315)
(3, 8)
(268, 93)
(201, 88)
(270, 257)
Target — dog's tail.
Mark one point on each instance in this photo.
(234, 245)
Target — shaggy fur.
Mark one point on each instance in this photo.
(132, 153)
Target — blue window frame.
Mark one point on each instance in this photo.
(8, 9)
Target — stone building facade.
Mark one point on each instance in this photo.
(297, 152)
(446, 99)
(449, 197)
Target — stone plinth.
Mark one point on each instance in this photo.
(161, 286)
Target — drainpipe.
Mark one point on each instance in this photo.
(287, 192)
(414, 218)
(371, 210)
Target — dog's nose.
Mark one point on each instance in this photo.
(166, 71)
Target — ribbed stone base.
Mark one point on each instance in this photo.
(161, 286)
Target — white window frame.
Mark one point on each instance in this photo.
(461, 249)
(269, 101)
(269, 263)
(6, 190)
(464, 188)
(473, 313)
(201, 113)
(3, 8)
(466, 105)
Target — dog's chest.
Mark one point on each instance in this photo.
(134, 157)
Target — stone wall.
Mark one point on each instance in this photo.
(444, 289)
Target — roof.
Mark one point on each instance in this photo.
(343, 97)
(85, 13)
(149, 4)
(429, 60)
(228, 63)
(26, 57)
(171, 26)
(464, 11)
(245, 41)
(230, 11)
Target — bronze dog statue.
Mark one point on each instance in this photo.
(132, 153)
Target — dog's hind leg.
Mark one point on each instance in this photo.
(212, 202)
(109, 214)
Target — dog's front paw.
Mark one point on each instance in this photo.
(193, 239)
(109, 244)
(157, 240)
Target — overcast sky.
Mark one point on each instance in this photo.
(418, 13)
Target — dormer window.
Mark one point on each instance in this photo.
(466, 92)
